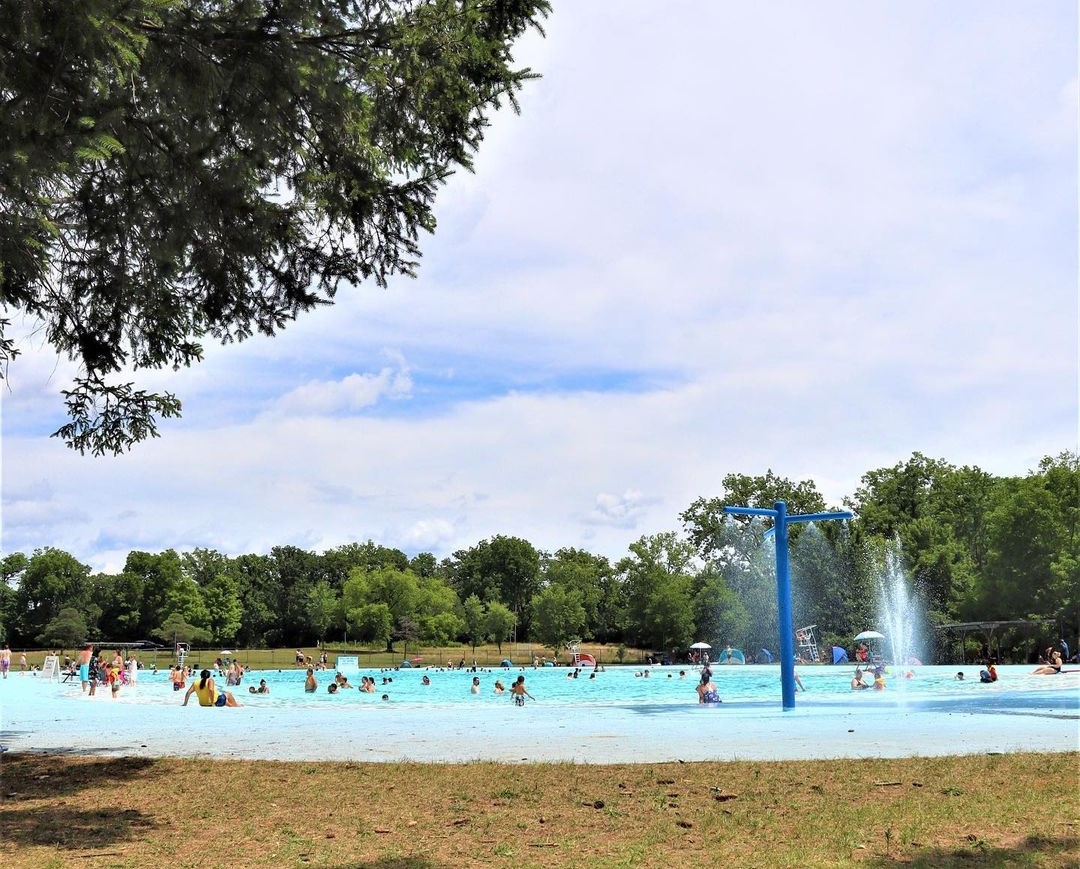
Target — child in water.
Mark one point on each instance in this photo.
(519, 692)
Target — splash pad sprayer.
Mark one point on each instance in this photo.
(781, 520)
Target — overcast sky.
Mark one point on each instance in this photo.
(721, 237)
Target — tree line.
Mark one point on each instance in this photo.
(977, 547)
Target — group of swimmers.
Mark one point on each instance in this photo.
(517, 689)
(93, 670)
(858, 684)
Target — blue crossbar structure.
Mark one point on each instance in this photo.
(781, 520)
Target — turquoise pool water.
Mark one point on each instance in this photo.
(620, 686)
(616, 717)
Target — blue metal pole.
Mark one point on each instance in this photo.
(783, 599)
(783, 584)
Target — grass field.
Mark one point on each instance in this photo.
(1015, 810)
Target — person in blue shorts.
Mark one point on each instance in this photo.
(84, 665)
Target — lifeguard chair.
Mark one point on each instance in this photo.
(807, 643)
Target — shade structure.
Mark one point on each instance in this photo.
(869, 635)
(701, 646)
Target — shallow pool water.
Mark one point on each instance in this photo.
(619, 716)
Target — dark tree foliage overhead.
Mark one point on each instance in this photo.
(172, 170)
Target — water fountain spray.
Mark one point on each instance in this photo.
(781, 520)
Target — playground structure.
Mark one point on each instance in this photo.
(783, 584)
(580, 659)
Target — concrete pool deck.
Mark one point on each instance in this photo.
(147, 721)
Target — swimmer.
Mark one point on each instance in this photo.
(425, 681)
(857, 683)
(475, 689)
(84, 665)
(706, 691)
(208, 694)
(959, 675)
(332, 688)
(499, 689)
(311, 684)
(988, 674)
(262, 689)
(519, 692)
(879, 678)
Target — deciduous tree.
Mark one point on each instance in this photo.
(172, 170)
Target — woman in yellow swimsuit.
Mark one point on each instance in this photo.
(207, 693)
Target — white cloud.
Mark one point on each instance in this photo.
(806, 238)
(349, 394)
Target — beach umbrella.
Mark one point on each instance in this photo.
(869, 635)
(701, 646)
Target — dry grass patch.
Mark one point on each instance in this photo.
(1016, 810)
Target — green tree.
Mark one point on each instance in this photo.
(11, 566)
(259, 590)
(594, 579)
(719, 614)
(339, 562)
(52, 580)
(558, 616)
(172, 170)
(175, 629)
(670, 615)
(398, 589)
(322, 608)
(297, 573)
(656, 563)
(498, 623)
(707, 526)
(161, 575)
(1034, 534)
(119, 600)
(474, 622)
(67, 630)
(424, 565)
(890, 498)
(440, 629)
(372, 623)
(505, 569)
(224, 612)
(185, 598)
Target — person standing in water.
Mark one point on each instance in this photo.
(85, 655)
(519, 693)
